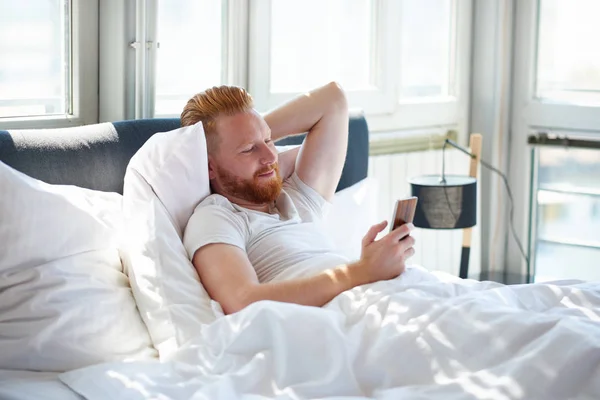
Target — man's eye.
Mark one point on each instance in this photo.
(248, 150)
(268, 140)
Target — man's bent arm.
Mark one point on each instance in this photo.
(230, 279)
(323, 113)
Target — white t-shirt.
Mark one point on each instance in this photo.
(284, 244)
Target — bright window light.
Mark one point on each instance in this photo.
(34, 58)
(190, 57)
(427, 48)
(568, 68)
(316, 41)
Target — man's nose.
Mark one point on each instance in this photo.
(269, 155)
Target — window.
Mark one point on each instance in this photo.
(190, 55)
(427, 37)
(337, 46)
(295, 46)
(568, 56)
(555, 88)
(35, 76)
(567, 235)
(403, 62)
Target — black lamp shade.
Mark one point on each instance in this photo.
(449, 205)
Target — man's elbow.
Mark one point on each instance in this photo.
(235, 303)
(338, 96)
(233, 306)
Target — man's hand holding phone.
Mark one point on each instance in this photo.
(386, 258)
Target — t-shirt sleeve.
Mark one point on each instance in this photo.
(306, 198)
(213, 224)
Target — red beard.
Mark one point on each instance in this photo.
(257, 190)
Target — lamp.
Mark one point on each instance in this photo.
(450, 201)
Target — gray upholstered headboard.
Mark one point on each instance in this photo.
(96, 156)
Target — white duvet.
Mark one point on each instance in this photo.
(420, 336)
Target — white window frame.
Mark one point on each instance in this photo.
(530, 113)
(381, 105)
(127, 56)
(234, 51)
(84, 72)
(444, 111)
(379, 98)
(128, 52)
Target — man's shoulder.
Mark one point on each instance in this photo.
(215, 200)
(216, 210)
(215, 204)
(214, 220)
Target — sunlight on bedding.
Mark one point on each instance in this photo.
(438, 335)
(567, 302)
(583, 300)
(133, 385)
(496, 388)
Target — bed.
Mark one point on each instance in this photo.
(98, 301)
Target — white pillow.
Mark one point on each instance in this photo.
(353, 212)
(64, 300)
(164, 182)
(174, 165)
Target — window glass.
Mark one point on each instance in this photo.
(568, 67)
(190, 56)
(316, 41)
(34, 57)
(568, 214)
(427, 46)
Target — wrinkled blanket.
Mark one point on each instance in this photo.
(420, 336)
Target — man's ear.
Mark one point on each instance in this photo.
(211, 168)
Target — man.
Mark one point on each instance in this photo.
(258, 236)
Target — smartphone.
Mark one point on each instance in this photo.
(404, 212)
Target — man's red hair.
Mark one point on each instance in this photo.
(210, 104)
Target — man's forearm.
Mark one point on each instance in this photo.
(315, 291)
(300, 114)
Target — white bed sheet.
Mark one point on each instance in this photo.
(422, 336)
(29, 385)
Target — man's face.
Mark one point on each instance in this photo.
(244, 163)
